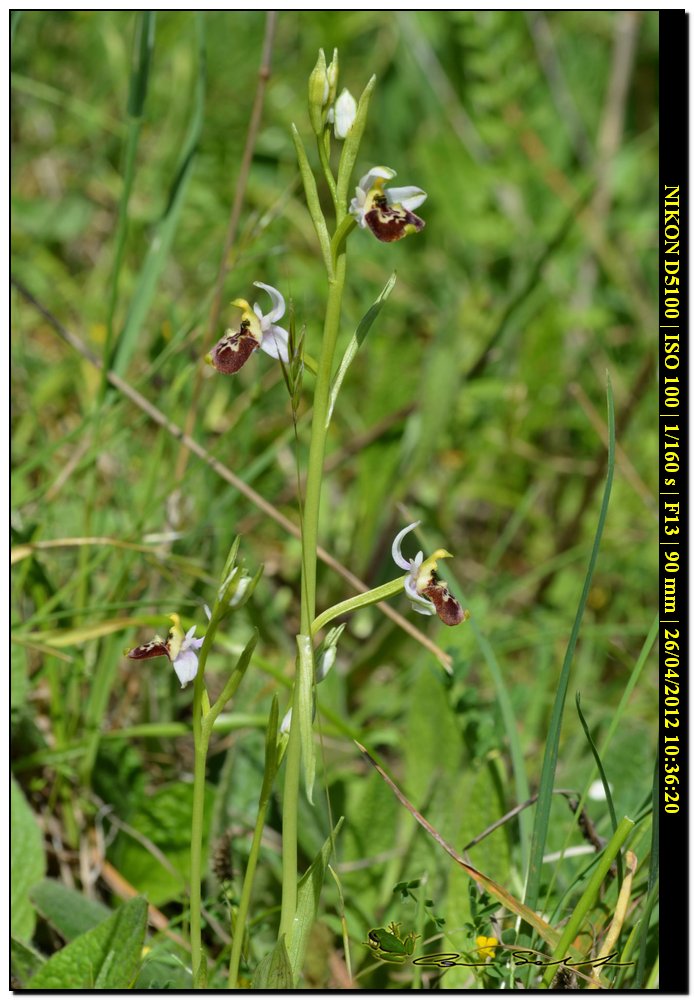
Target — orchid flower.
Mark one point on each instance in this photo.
(389, 213)
(428, 594)
(181, 649)
(257, 330)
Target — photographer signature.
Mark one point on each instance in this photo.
(390, 945)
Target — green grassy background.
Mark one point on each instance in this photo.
(477, 405)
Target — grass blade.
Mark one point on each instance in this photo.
(549, 764)
(605, 783)
(589, 895)
(160, 246)
(142, 57)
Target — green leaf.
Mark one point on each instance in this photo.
(274, 972)
(107, 957)
(24, 962)
(312, 200)
(304, 679)
(142, 60)
(67, 910)
(200, 981)
(355, 343)
(164, 818)
(429, 762)
(27, 862)
(162, 973)
(308, 897)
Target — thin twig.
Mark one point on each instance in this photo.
(191, 444)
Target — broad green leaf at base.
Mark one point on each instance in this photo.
(107, 957)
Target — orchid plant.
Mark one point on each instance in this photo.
(388, 213)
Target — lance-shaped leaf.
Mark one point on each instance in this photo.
(232, 683)
(355, 343)
(274, 972)
(307, 899)
(313, 201)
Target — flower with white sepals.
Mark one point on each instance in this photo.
(180, 647)
(428, 594)
(388, 212)
(257, 330)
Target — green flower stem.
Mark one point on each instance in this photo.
(201, 739)
(201, 744)
(314, 476)
(341, 233)
(245, 901)
(314, 480)
(204, 718)
(360, 601)
(323, 143)
(271, 765)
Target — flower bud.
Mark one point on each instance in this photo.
(318, 93)
(345, 113)
(326, 655)
(332, 74)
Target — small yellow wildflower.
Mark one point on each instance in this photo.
(486, 946)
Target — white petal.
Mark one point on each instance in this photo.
(596, 792)
(186, 665)
(325, 663)
(278, 307)
(397, 541)
(367, 181)
(409, 197)
(345, 113)
(274, 343)
(240, 591)
(286, 723)
(191, 643)
(411, 587)
(356, 208)
(424, 609)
